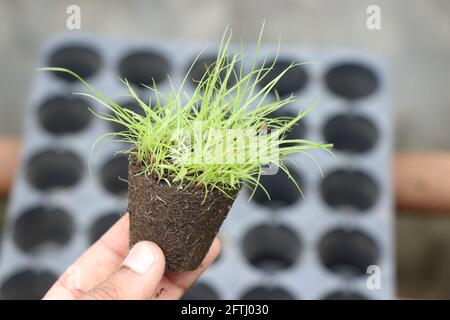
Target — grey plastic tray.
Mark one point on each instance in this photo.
(312, 248)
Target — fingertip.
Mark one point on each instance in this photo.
(156, 250)
(137, 278)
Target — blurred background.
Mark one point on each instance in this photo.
(414, 39)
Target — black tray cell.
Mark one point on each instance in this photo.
(203, 66)
(291, 82)
(64, 115)
(351, 80)
(51, 169)
(267, 293)
(81, 59)
(114, 173)
(43, 226)
(271, 247)
(144, 68)
(280, 187)
(351, 133)
(348, 252)
(27, 285)
(351, 190)
(200, 291)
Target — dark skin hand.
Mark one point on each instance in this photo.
(109, 270)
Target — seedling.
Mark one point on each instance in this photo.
(192, 153)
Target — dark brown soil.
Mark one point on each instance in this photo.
(176, 219)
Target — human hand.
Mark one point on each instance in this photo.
(108, 270)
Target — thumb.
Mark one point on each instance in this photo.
(136, 279)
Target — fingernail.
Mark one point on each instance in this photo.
(140, 258)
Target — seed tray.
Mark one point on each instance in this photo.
(314, 247)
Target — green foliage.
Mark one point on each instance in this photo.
(230, 99)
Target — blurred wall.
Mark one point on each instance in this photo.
(415, 39)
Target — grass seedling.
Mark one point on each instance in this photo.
(228, 97)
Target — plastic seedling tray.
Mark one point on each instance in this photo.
(316, 247)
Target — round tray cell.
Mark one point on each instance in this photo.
(344, 295)
(298, 131)
(114, 173)
(281, 189)
(102, 224)
(82, 60)
(132, 105)
(41, 227)
(62, 115)
(204, 64)
(200, 291)
(348, 252)
(267, 293)
(49, 170)
(349, 190)
(144, 68)
(27, 285)
(351, 133)
(351, 80)
(291, 82)
(271, 247)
